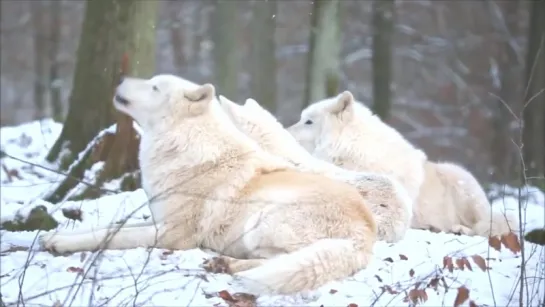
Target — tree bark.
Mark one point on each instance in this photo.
(533, 135)
(55, 85)
(225, 53)
(97, 67)
(36, 9)
(263, 68)
(323, 61)
(176, 37)
(126, 30)
(383, 30)
(501, 145)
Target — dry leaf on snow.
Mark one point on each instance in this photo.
(462, 296)
(479, 261)
(511, 241)
(495, 243)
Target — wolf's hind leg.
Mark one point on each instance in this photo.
(105, 238)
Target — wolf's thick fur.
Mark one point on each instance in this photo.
(215, 188)
(448, 197)
(347, 134)
(458, 203)
(387, 199)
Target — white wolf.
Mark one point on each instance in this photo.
(448, 197)
(388, 200)
(281, 231)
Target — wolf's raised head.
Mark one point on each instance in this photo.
(329, 115)
(151, 101)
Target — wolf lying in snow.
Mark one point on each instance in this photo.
(448, 197)
(281, 231)
(387, 199)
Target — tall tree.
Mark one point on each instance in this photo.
(383, 30)
(176, 35)
(55, 94)
(323, 61)
(40, 41)
(534, 103)
(225, 52)
(263, 68)
(505, 18)
(116, 35)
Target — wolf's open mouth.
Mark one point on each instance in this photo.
(121, 100)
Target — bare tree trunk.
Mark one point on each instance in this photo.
(55, 85)
(323, 61)
(501, 147)
(36, 9)
(263, 68)
(534, 102)
(224, 30)
(383, 30)
(126, 29)
(176, 37)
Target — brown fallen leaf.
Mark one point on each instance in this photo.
(388, 289)
(411, 272)
(467, 264)
(416, 296)
(243, 300)
(479, 261)
(332, 291)
(447, 263)
(389, 259)
(224, 294)
(460, 263)
(433, 283)
(495, 243)
(74, 270)
(511, 241)
(352, 305)
(403, 257)
(473, 304)
(462, 296)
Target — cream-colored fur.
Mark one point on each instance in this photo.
(347, 134)
(387, 199)
(458, 204)
(448, 197)
(283, 231)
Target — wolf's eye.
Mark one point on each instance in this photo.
(155, 88)
(308, 122)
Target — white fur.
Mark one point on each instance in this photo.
(346, 133)
(208, 183)
(388, 200)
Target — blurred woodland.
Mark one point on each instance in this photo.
(457, 78)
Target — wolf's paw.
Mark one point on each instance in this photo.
(218, 265)
(53, 243)
(462, 230)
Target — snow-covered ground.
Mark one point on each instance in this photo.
(439, 266)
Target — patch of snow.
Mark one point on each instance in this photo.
(154, 277)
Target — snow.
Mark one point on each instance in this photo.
(155, 277)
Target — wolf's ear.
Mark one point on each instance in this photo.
(204, 93)
(251, 103)
(344, 103)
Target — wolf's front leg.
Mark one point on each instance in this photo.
(105, 238)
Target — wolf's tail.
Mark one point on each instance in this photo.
(308, 268)
(496, 224)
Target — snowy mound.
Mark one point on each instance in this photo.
(433, 269)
